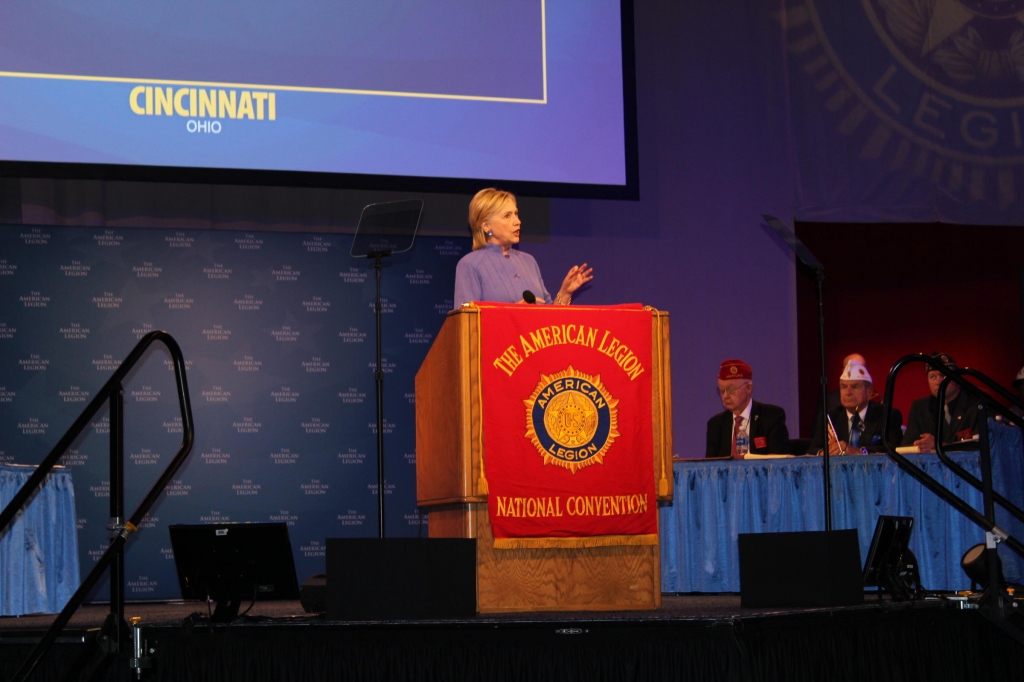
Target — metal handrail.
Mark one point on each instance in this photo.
(111, 390)
(996, 602)
(940, 450)
(1003, 393)
(916, 472)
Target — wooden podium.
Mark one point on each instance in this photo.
(449, 451)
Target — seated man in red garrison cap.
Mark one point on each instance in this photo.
(746, 426)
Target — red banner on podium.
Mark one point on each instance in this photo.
(568, 447)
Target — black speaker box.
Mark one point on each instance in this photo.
(313, 593)
(814, 568)
(401, 578)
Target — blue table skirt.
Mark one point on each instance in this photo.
(39, 553)
(717, 500)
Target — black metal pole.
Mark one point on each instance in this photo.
(826, 466)
(993, 596)
(117, 513)
(379, 378)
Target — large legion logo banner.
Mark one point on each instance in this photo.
(568, 443)
(908, 109)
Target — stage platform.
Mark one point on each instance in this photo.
(705, 637)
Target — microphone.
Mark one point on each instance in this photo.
(529, 297)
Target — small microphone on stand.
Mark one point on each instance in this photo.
(529, 297)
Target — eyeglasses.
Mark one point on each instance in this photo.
(730, 390)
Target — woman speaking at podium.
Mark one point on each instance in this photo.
(493, 270)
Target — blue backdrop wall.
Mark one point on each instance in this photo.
(278, 332)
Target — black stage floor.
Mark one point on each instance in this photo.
(704, 637)
(166, 614)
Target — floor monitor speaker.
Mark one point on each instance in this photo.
(401, 578)
(814, 568)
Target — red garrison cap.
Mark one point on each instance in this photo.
(735, 369)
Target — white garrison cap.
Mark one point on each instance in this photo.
(1020, 377)
(855, 371)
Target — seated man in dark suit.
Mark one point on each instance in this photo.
(745, 425)
(832, 400)
(858, 420)
(961, 413)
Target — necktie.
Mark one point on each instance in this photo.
(948, 416)
(855, 431)
(738, 424)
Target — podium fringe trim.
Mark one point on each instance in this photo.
(575, 543)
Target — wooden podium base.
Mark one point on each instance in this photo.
(584, 579)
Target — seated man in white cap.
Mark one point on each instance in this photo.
(961, 413)
(832, 399)
(858, 420)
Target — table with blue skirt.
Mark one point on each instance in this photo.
(39, 552)
(716, 500)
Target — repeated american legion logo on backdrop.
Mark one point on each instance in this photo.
(568, 443)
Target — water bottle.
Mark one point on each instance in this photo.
(742, 444)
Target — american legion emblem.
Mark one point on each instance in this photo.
(934, 87)
(571, 419)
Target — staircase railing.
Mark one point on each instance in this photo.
(995, 602)
(940, 448)
(114, 630)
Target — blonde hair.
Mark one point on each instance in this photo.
(485, 204)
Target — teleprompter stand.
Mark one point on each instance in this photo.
(811, 568)
(805, 256)
(384, 230)
(368, 579)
